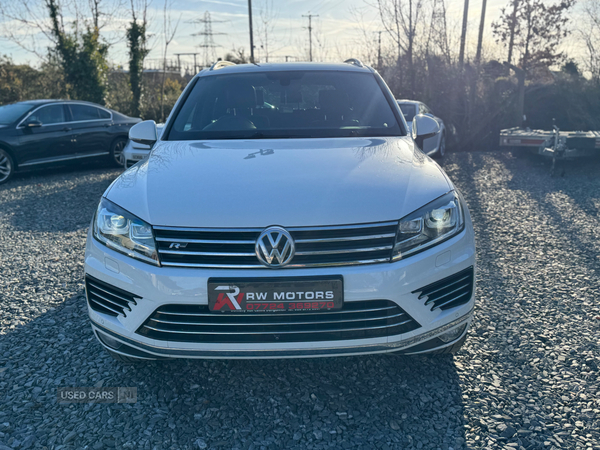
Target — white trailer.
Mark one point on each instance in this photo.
(555, 144)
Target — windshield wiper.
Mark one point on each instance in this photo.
(261, 135)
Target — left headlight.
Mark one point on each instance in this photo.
(429, 225)
(124, 232)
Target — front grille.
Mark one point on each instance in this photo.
(449, 292)
(315, 246)
(356, 320)
(107, 299)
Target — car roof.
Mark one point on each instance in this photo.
(281, 67)
(50, 101)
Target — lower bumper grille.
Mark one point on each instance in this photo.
(356, 320)
(449, 292)
(107, 299)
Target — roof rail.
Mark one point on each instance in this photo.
(221, 64)
(355, 62)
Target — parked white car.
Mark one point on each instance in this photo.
(435, 145)
(313, 227)
(134, 152)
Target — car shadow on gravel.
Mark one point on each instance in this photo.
(378, 401)
(50, 210)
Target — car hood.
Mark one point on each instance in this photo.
(287, 182)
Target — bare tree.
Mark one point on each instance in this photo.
(169, 30)
(27, 24)
(401, 20)
(589, 31)
(535, 29)
(266, 25)
(368, 44)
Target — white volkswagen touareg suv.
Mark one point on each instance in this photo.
(284, 212)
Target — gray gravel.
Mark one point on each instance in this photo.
(527, 377)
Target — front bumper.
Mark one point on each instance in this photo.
(396, 282)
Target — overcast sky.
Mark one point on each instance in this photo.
(336, 26)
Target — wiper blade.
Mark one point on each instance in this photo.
(260, 135)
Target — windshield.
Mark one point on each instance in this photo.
(10, 113)
(290, 104)
(409, 110)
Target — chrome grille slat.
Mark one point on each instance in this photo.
(214, 266)
(203, 241)
(273, 324)
(183, 252)
(342, 311)
(356, 320)
(336, 252)
(344, 227)
(343, 239)
(275, 332)
(327, 246)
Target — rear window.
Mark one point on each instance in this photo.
(409, 111)
(81, 113)
(287, 104)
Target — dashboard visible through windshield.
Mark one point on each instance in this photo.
(286, 104)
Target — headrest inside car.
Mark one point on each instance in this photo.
(331, 100)
(241, 96)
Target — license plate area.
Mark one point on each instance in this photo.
(275, 295)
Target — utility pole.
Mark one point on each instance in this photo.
(480, 39)
(251, 35)
(310, 16)
(463, 36)
(379, 51)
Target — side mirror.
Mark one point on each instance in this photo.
(33, 123)
(144, 133)
(424, 127)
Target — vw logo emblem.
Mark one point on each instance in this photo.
(275, 247)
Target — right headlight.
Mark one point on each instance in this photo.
(124, 232)
(429, 225)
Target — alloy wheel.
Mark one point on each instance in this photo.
(6, 166)
(442, 148)
(118, 152)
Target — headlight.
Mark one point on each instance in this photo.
(124, 232)
(430, 225)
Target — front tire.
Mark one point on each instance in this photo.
(7, 166)
(116, 152)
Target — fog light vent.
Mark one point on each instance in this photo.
(449, 292)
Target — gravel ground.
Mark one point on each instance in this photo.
(526, 378)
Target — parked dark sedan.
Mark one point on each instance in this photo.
(43, 132)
